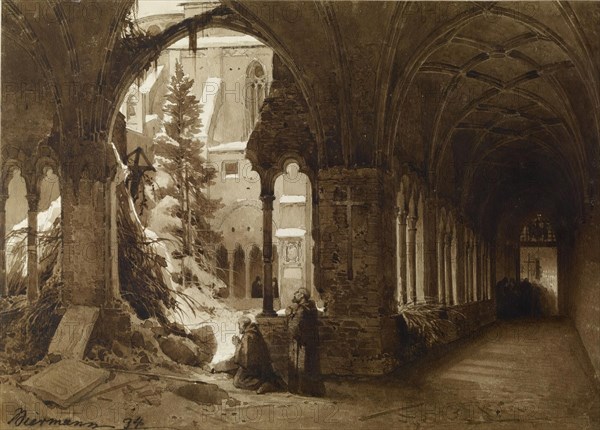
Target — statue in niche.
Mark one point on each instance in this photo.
(132, 102)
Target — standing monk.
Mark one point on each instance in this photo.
(305, 374)
(257, 288)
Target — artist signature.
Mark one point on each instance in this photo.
(20, 418)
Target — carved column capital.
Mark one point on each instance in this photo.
(267, 200)
(402, 215)
(412, 222)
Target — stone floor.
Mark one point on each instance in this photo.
(513, 375)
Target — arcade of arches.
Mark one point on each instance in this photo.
(431, 133)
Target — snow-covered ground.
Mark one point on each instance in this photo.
(197, 305)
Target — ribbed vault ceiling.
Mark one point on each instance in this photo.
(496, 105)
(501, 98)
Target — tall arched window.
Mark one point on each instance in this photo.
(256, 91)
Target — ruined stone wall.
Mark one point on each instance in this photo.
(285, 124)
(345, 347)
(275, 333)
(349, 248)
(580, 278)
(368, 346)
(357, 346)
(355, 247)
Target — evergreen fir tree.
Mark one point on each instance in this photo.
(180, 150)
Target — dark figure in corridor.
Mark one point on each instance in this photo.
(275, 288)
(304, 373)
(523, 299)
(255, 371)
(257, 288)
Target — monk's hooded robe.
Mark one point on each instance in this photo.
(252, 357)
(304, 373)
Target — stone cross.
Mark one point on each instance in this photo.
(531, 267)
(342, 198)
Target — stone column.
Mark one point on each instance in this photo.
(490, 282)
(514, 249)
(112, 250)
(476, 270)
(449, 298)
(355, 231)
(468, 271)
(486, 273)
(230, 273)
(32, 252)
(492, 258)
(430, 239)
(441, 261)
(412, 257)
(460, 265)
(315, 233)
(482, 265)
(249, 281)
(401, 256)
(84, 213)
(3, 280)
(267, 200)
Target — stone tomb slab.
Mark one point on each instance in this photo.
(65, 382)
(73, 332)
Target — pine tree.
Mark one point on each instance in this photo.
(180, 151)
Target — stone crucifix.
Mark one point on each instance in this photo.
(343, 198)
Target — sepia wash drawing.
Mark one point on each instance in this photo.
(300, 214)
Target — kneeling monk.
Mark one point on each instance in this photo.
(255, 371)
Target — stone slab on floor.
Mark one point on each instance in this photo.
(65, 382)
(73, 332)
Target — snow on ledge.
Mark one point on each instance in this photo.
(290, 232)
(150, 117)
(242, 41)
(230, 146)
(292, 199)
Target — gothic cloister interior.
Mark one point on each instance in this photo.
(387, 156)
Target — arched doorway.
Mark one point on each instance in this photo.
(292, 214)
(231, 80)
(16, 240)
(256, 272)
(239, 272)
(223, 269)
(538, 264)
(229, 73)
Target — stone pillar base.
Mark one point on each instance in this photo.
(358, 346)
(114, 323)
